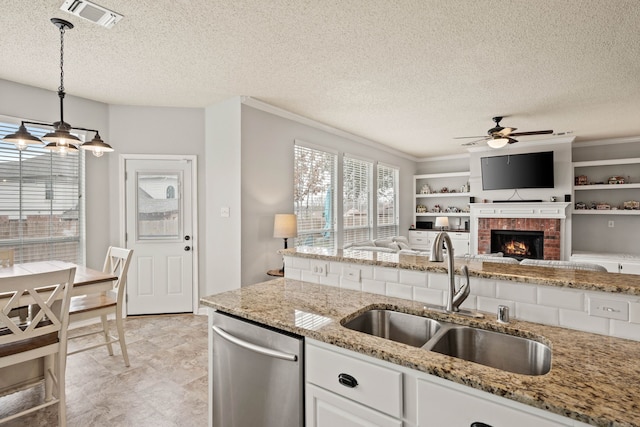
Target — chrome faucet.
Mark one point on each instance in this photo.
(454, 298)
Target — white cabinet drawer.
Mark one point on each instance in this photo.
(420, 239)
(377, 387)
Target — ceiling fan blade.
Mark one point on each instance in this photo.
(511, 141)
(506, 131)
(537, 132)
(476, 142)
(466, 137)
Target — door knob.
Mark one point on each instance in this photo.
(187, 248)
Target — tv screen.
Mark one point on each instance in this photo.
(532, 170)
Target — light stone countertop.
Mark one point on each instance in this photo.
(628, 284)
(594, 379)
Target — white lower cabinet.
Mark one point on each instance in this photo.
(379, 393)
(327, 409)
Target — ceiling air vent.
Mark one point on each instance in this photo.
(91, 12)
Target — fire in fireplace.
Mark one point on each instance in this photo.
(518, 243)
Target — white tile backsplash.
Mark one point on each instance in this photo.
(562, 298)
(537, 313)
(535, 303)
(399, 291)
(374, 286)
(516, 292)
(385, 274)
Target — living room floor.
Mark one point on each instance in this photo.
(166, 384)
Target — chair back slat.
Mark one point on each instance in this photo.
(117, 263)
(49, 293)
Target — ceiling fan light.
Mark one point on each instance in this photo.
(497, 142)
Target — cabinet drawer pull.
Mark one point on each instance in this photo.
(347, 380)
(479, 424)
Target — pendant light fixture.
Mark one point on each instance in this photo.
(60, 140)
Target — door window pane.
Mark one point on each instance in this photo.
(159, 211)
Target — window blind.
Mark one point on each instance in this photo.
(387, 201)
(41, 214)
(314, 196)
(356, 200)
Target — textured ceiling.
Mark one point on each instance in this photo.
(408, 74)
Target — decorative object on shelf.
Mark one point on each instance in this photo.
(60, 140)
(632, 205)
(442, 222)
(616, 180)
(437, 209)
(444, 190)
(421, 209)
(425, 189)
(582, 180)
(452, 209)
(580, 206)
(285, 226)
(603, 206)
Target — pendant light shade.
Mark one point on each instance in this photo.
(97, 146)
(22, 138)
(60, 140)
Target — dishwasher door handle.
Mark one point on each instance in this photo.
(255, 348)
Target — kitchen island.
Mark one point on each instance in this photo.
(593, 379)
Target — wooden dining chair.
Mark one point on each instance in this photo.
(44, 336)
(105, 304)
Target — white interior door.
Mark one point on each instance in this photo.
(158, 196)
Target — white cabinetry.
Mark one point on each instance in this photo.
(613, 263)
(391, 395)
(345, 391)
(453, 203)
(421, 240)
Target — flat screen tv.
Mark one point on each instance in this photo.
(531, 170)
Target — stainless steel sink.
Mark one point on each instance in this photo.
(498, 350)
(395, 326)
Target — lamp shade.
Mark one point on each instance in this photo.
(497, 142)
(285, 226)
(442, 221)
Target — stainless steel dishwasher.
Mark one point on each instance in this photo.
(257, 375)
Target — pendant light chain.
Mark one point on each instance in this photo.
(61, 88)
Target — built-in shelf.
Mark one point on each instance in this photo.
(442, 195)
(606, 212)
(437, 181)
(606, 187)
(442, 214)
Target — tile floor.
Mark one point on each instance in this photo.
(166, 384)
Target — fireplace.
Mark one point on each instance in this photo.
(519, 244)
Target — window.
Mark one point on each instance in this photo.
(387, 197)
(356, 200)
(314, 196)
(41, 211)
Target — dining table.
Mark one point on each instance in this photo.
(86, 281)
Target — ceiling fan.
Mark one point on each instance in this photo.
(499, 136)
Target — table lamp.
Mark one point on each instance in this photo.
(442, 222)
(285, 226)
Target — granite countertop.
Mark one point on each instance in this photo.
(628, 284)
(593, 379)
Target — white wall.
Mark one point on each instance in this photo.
(30, 103)
(267, 182)
(156, 130)
(223, 175)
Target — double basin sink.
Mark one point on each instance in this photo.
(495, 349)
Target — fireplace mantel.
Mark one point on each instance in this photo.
(524, 210)
(519, 210)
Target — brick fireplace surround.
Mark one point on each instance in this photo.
(550, 227)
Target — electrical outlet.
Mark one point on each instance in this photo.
(611, 309)
(319, 268)
(610, 224)
(224, 211)
(351, 273)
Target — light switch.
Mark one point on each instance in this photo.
(611, 309)
(224, 211)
